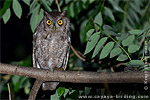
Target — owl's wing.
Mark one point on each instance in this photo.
(33, 52)
(34, 47)
(33, 59)
(65, 60)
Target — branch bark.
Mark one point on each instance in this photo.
(75, 76)
(35, 89)
(58, 5)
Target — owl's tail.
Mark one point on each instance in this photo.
(49, 85)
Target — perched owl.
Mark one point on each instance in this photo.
(51, 44)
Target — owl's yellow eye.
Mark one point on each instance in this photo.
(48, 22)
(60, 22)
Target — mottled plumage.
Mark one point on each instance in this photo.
(51, 44)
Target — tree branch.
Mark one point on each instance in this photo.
(75, 76)
(35, 89)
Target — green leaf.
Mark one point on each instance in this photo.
(122, 57)
(66, 92)
(133, 48)
(128, 40)
(27, 2)
(115, 6)
(85, 1)
(89, 25)
(36, 19)
(136, 63)
(6, 5)
(50, 2)
(135, 7)
(135, 32)
(27, 88)
(123, 36)
(135, 15)
(106, 50)
(107, 27)
(17, 86)
(82, 31)
(130, 19)
(17, 8)
(92, 42)
(80, 92)
(6, 16)
(79, 6)
(34, 13)
(76, 10)
(128, 25)
(55, 96)
(67, 1)
(98, 19)
(146, 69)
(138, 3)
(91, 1)
(109, 33)
(109, 13)
(99, 46)
(44, 2)
(16, 83)
(72, 9)
(60, 91)
(74, 94)
(87, 90)
(33, 5)
(15, 79)
(71, 91)
(144, 30)
(115, 52)
(89, 33)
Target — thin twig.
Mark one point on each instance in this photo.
(142, 40)
(76, 53)
(81, 54)
(9, 91)
(94, 25)
(112, 70)
(35, 89)
(58, 6)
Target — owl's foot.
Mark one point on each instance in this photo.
(52, 70)
(49, 85)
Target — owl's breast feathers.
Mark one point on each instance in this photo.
(52, 52)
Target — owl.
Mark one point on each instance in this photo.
(51, 44)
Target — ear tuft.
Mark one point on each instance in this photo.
(64, 13)
(45, 13)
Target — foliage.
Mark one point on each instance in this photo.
(110, 30)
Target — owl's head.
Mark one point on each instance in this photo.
(56, 21)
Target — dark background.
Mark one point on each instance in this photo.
(16, 37)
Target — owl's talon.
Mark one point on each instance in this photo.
(52, 70)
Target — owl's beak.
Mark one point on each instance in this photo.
(54, 28)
